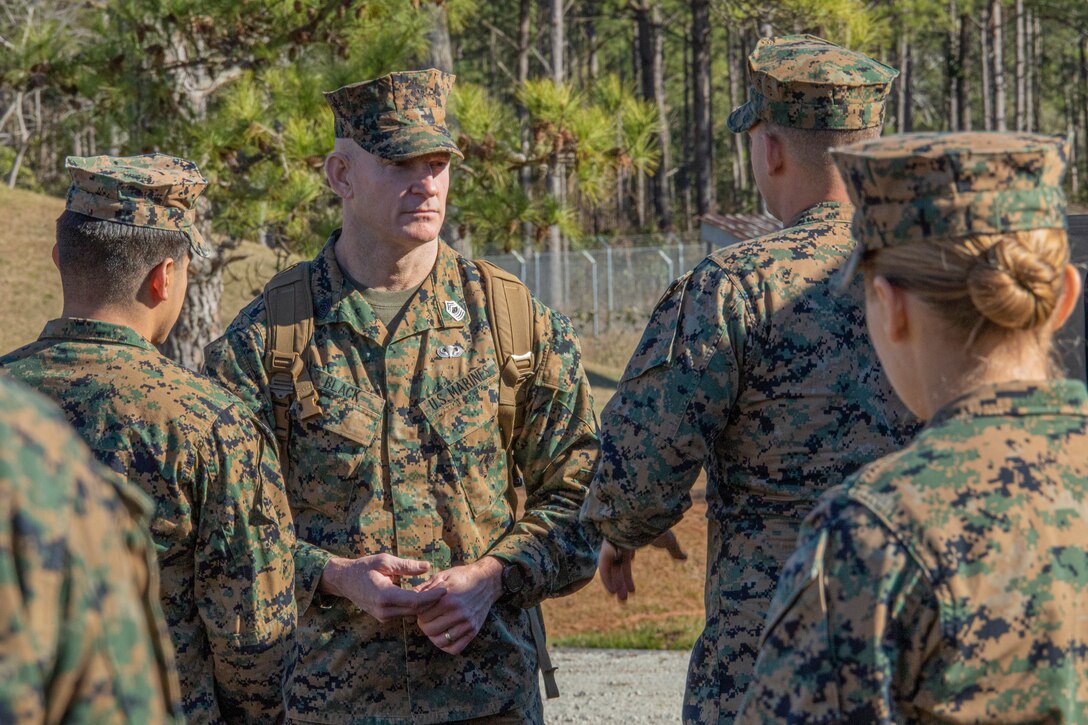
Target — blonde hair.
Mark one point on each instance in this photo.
(985, 285)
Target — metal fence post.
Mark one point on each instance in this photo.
(536, 273)
(668, 261)
(596, 294)
(521, 262)
(608, 279)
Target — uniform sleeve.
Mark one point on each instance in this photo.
(671, 405)
(556, 453)
(83, 637)
(235, 362)
(850, 628)
(244, 588)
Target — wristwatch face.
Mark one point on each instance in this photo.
(512, 579)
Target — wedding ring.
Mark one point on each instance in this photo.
(446, 634)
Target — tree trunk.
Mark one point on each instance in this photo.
(640, 207)
(16, 165)
(199, 322)
(440, 55)
(905, 119)
(458, 237)
(439, 47)
(952, 74)
(557, 172)
(1021, 68)
(1071, 130)
(686, 167)
(737, 65)
(651, 42)
(525, 173)
(1036, 71)
(1083, 125)
(985, 63)
(593, 60)
(1029, 84)
(24, 139)
(703, 145)
(963, 91)
(998, 53)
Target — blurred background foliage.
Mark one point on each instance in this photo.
(236, 85)
(578, 119)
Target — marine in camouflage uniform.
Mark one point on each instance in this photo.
(82, 637)
(946, 581)
(405, 457)
(754, 369)
(221, 525)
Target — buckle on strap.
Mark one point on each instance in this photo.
(306, 397)
(281, 386)
(285, 370)
(517, 368)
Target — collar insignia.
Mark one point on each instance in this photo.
(455, 310)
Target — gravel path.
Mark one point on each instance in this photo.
(617, 686)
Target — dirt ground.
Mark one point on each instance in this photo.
(668, 593)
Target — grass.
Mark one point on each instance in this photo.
(603, 381)
(29, 283)
(675, 633)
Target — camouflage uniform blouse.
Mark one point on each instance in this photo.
(406, 458)
(754, 368)
(221, 525)
(82, 637)
(947, 581)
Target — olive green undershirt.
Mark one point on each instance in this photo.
(388, 306)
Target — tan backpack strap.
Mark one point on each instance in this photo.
(543, 659)
(510, 312)
(289, 311)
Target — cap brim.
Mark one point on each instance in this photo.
(743, 117)
(198, 245)
(412, 141)
(846, 274)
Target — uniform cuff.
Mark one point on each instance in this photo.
(519, 550)
(310, 562)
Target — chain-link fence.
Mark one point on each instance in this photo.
(608, 286)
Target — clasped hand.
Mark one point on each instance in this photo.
(454, 620)
(450, 607)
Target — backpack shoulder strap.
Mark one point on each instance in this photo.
(289, 314)
(510, 313)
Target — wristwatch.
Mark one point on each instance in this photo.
(513, 579)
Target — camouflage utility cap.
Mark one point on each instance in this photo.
(150, 190)
(398, 116)
(806, 82)
(926, 186)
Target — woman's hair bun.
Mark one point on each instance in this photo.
(1014, 283)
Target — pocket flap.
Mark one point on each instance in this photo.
(463, 405)
(655, 347)
(347, 410)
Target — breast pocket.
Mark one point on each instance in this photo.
(328, 450)
(464, 447)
